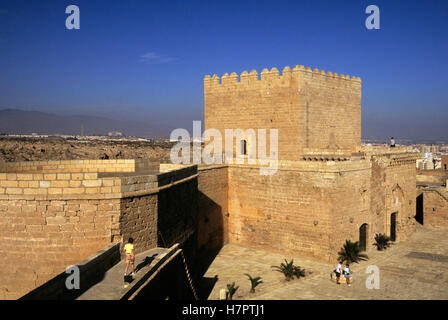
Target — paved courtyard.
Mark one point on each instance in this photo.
(414, 269)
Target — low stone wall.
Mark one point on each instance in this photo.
(47, 186)
(56, 219)
(119, 165)
(432, 177)
(90, 271)
(165, 167)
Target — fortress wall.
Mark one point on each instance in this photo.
(49, 221)
(289, 212)
(351, 208)
(177, 217)
(431, 179)
(40, 238)
(370, 196)
(270, 103)
(435, 177)
(138, 219)
(377, 195)
(120, 165)
(312, 207)
(395, 173)
(159, 210)
(176, 174)
(435, 208)
(213, 206)
(401, 193)
(56, 185)
(331, 110)
(310, 109)
(165, 167)
(91, 270)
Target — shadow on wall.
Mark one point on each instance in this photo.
(210, 231)
(177, 215)
(91, 271)
(206, 286)
(189, 217)
(211, 238)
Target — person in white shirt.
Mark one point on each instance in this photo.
(392, 142)
(347, 274)
(338, 272)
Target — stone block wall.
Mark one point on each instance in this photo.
(56, 185)
(213, 207)
(311, 207)
(401, 195)
(177, 214)
(435, 208)
(91, 271)
(432, 177)
(290, 211)
(352, 197)
(386, 185)
(49, 220)
(311, 109)
(138, 219)
(118, 165)
(40, 238)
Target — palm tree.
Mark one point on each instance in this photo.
(231, 289)
(254, 282)
(382, 241)
(289, 270)
(351, 252)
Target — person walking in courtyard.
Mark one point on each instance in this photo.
(347, 274)
(130, 256)
(338, 272)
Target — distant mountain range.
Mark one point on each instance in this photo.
(15, 121)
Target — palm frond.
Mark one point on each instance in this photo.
(382, 241)
(351, 252)
(289, 270)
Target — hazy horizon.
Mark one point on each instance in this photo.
(145, 61)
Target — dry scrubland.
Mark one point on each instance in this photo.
(40, 149)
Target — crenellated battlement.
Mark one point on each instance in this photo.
(312, 109)
(298, 74)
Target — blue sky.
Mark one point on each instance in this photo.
(145, 60)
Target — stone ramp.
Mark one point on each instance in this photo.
(113, 286)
